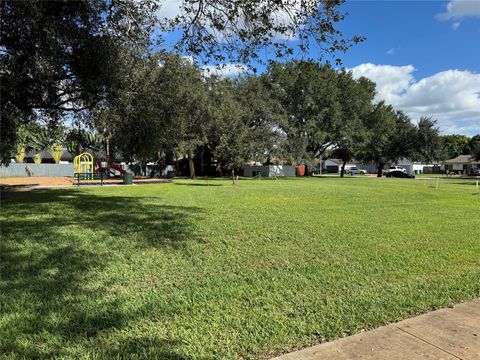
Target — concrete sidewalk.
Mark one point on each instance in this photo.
(452, 333)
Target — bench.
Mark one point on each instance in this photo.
(90, 176)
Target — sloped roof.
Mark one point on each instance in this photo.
(462, 159)
(66, 155)
(337, 161)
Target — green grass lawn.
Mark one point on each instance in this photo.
(189, 271)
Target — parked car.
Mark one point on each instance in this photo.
(396, 168)
(317, 171)
(356, 170)
(350, 168)
(474, 172)
(399, 174)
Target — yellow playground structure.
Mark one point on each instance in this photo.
(83, 164)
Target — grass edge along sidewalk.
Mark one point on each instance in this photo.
(450, 333)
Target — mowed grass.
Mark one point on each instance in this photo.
(189, 271)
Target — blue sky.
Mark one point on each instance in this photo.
(423, 55)
(411, 32)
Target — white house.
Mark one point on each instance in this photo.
(462, 163)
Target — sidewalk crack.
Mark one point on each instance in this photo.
(429, 343)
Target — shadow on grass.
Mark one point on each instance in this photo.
(197, 184)
(148, 347)
(467, 182)
(54, 299)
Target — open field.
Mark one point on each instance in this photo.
(185, 270)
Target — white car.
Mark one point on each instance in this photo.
(397, 168)
(355, 169)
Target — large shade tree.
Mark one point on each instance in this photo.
(233, 139)
(309, 94)
(454, 145)
(136, 117)
(62, 56)
(190, 107)
(428, 143)
(380, 125)
(355, 98)
(262, 114)
(474, 147)
(237, 30)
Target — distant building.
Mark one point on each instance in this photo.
(269, 170)
(47, 157)
(414, 167)
(332, 165)
(335, 165)
(460, 164)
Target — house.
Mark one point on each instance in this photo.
(460, 164)
(47, 156)
(332, 165)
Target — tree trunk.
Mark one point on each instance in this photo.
(342, 171)
(380, 169)
(177, 170)
(107, 149)
(202, 162)
(233, 176)
(191, 166)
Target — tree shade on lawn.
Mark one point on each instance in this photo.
(190, 271)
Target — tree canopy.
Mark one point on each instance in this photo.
(103, 65)
(63, 56)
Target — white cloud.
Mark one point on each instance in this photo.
(456, 10)
(390, 51)
(169, 9)
(452, 97)
(391, 80)
(225, 70)
(190, 59)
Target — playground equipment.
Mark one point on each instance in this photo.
(83, 165)
(118, 168)
(84, 169)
